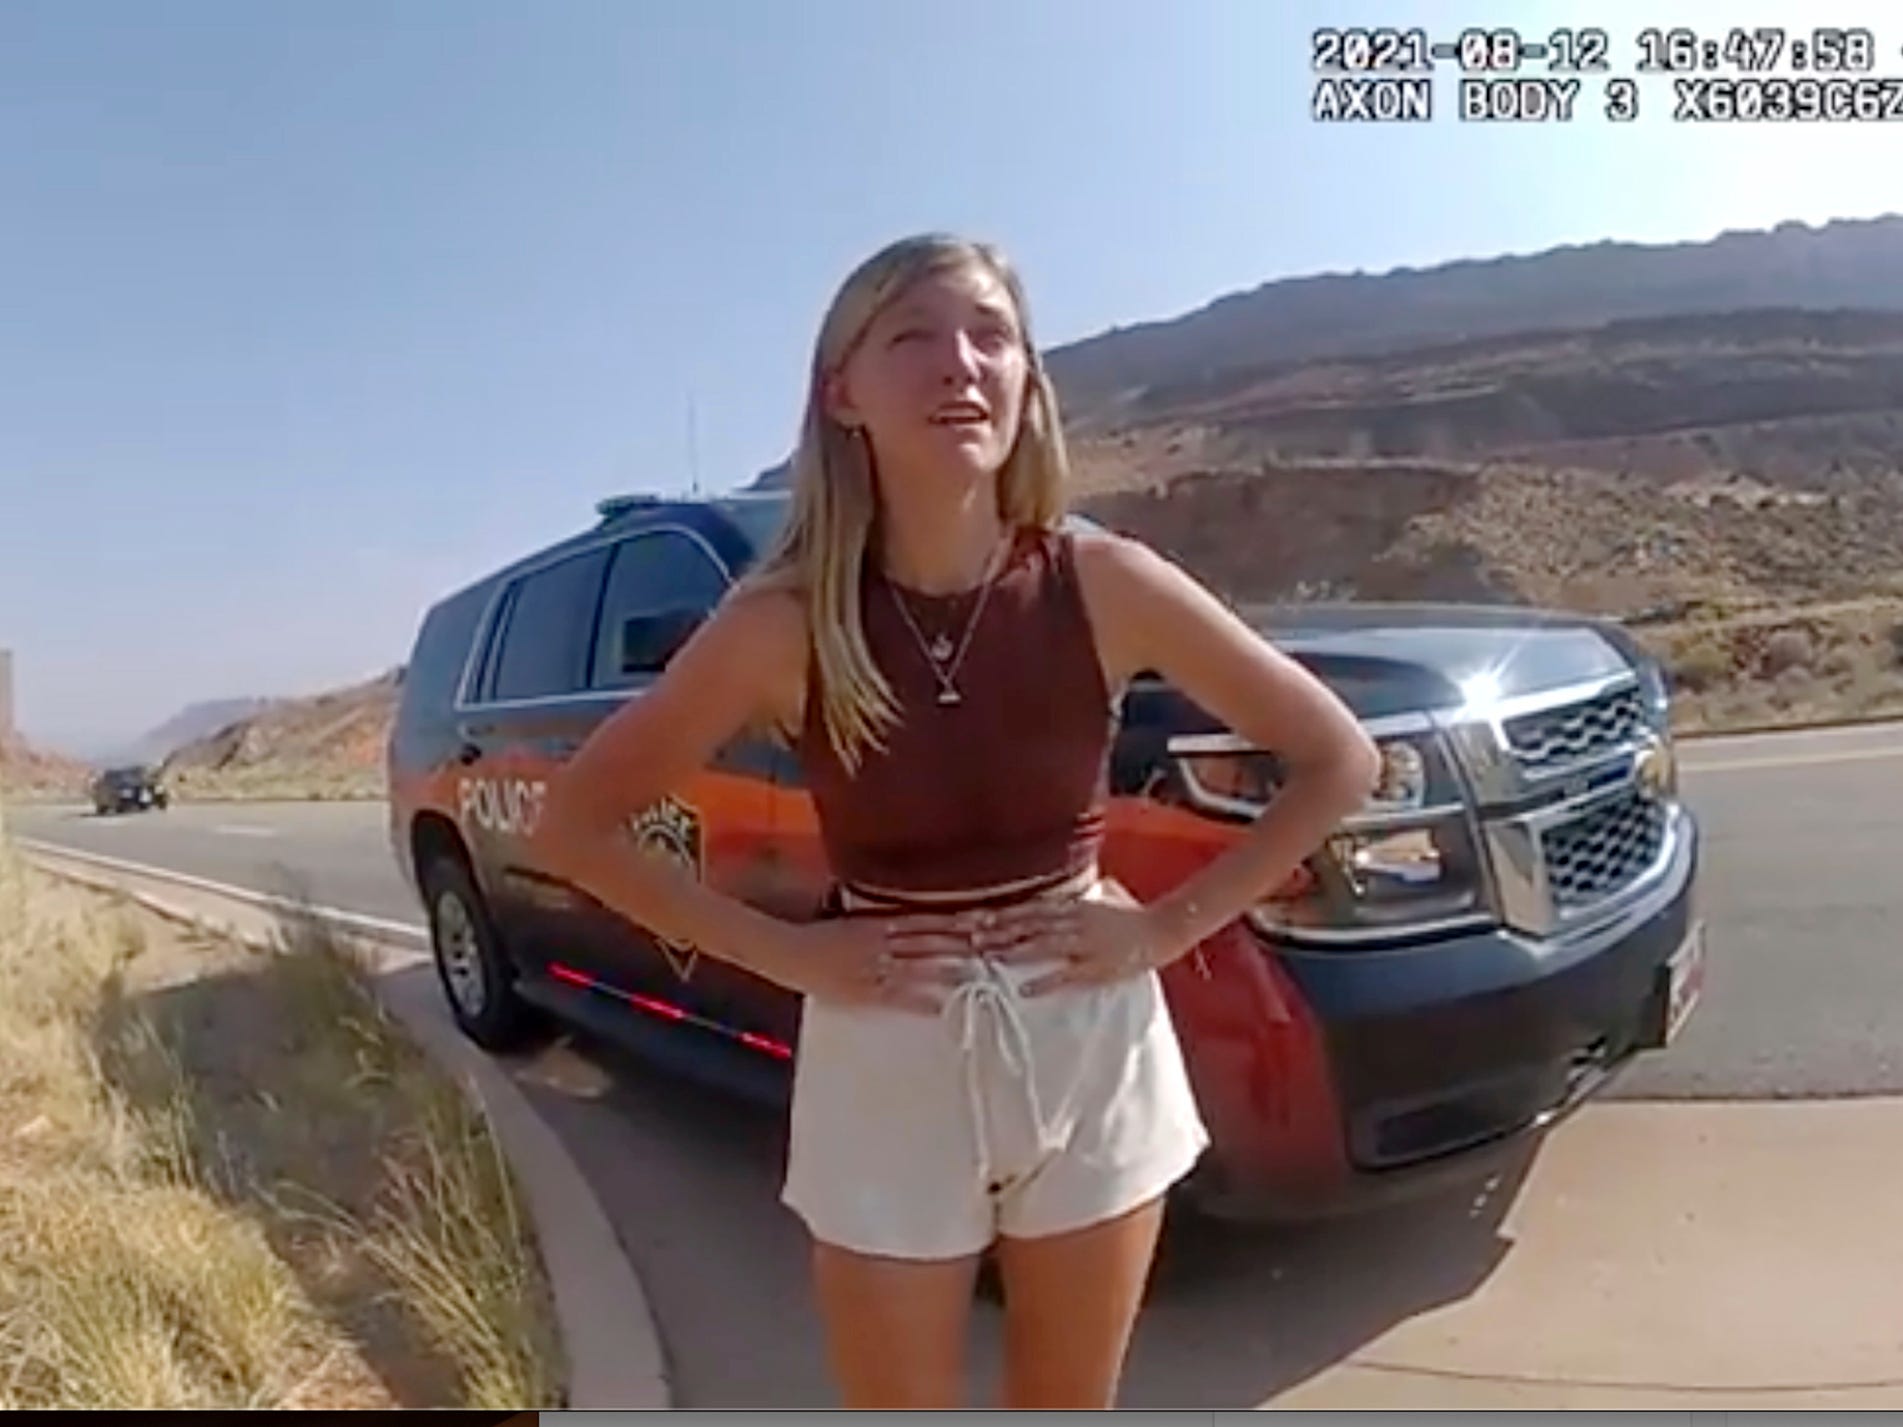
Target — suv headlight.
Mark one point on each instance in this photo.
(1405, 862)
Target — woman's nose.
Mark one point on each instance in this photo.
(961, 359)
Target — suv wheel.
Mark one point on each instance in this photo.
(476, 976)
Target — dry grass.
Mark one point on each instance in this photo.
(227, 1180)
(450, 1235)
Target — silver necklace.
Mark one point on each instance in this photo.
(942, 656)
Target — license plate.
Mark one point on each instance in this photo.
(1685, 982)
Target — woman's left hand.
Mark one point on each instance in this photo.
(1088, 943)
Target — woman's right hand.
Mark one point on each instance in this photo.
(901, 961)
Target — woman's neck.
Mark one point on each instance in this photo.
(941, 550)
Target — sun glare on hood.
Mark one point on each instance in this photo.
(1481, 692)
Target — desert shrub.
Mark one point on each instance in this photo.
(1702, 664)
(1787, 650)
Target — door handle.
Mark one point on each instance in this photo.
(468, 753)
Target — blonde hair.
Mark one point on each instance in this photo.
(821, 552)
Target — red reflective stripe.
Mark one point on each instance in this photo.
(771, 1047)
(659, 1008)
(667, 1011)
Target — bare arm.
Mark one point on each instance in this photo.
(741, 668)
(1152, 615)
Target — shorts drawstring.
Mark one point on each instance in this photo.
(963, 1012)
(909, 1140)
(988, 995)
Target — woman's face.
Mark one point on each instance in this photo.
(938, 379)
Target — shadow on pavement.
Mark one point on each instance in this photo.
(689, 1177)
(1240, 1314)
(1237, 1315)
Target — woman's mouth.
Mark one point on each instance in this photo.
(961, 415)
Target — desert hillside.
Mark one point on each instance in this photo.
(329, 745)
(1697, 476)
(189, 725)
(32, 774)
(1746, 457)
(1849, 264)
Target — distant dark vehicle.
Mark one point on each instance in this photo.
(130, 789)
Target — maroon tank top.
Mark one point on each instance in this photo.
(1009, 784)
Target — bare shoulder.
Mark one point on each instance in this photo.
(1113, 566)
(767, 618)
(1138, 599)
(1152, 615)
(758, 635)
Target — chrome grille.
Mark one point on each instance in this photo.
(1551, 739)
(1602, 850)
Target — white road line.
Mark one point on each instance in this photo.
(1891, 728)
(1796, 760)
(407, 932)
(1848, 737)
(244, 830)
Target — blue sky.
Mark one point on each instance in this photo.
(310, 311)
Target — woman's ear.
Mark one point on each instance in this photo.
(836, 400)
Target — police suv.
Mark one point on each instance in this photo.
(1483, 947)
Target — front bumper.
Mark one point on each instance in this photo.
(1442, 1059)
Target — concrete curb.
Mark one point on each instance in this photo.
(607, 1329)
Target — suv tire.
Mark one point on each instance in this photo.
(477, 978)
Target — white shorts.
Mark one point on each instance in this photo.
(926, 1138)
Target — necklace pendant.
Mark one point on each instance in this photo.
(949, 698)
(942, 648)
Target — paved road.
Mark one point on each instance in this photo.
(1802, 890)
(1801, 887)
(337, 854)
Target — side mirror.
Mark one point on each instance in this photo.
(648, 641)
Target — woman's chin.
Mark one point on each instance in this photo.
(978, 437)
(958, 464)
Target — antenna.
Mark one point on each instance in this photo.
(693, 451)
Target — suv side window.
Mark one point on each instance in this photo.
(659, 573)
(545, 641)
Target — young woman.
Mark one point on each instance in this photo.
(985, 1060)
